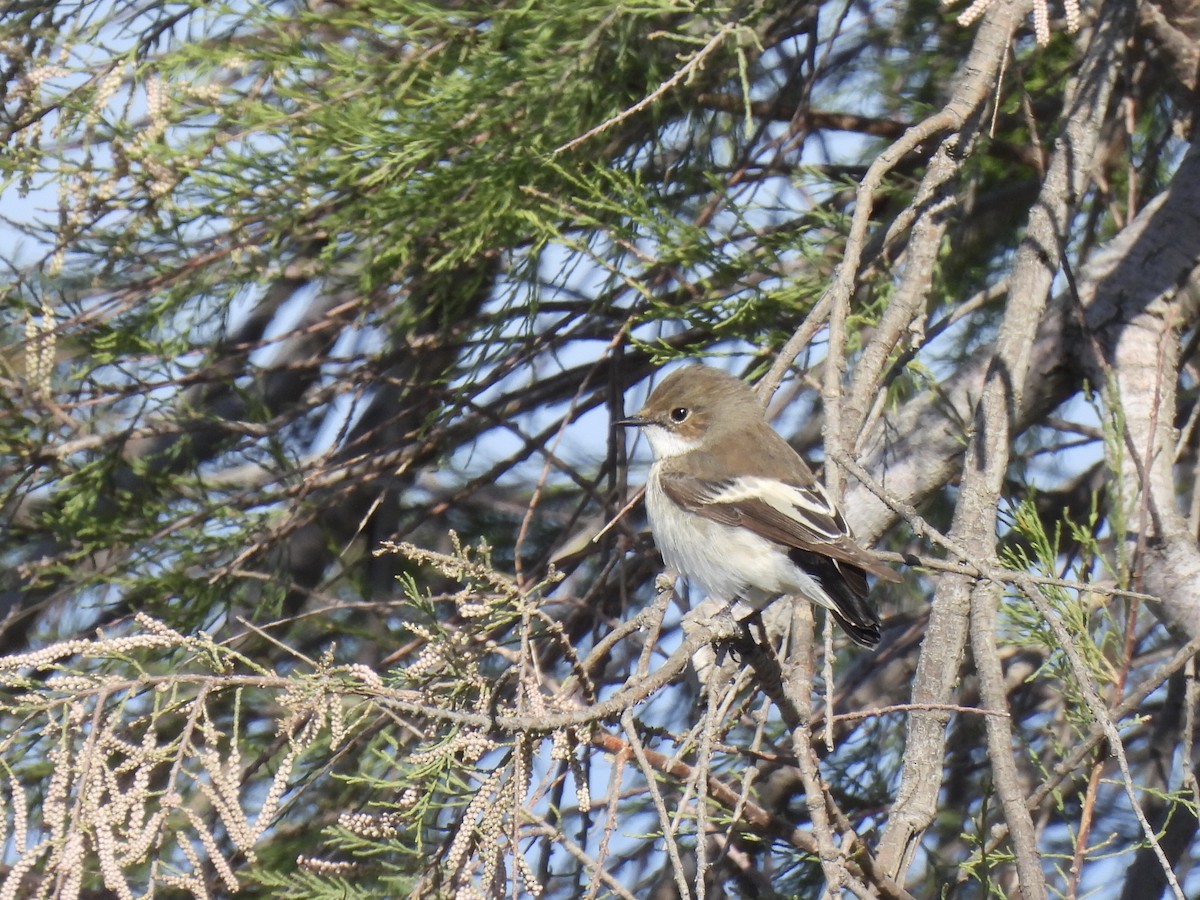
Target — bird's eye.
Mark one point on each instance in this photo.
(679, 413)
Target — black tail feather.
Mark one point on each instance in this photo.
(847, 587)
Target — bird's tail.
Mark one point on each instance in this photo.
(845, 586)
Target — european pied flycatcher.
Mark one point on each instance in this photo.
(735, 509)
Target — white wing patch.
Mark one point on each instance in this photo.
(809, 506)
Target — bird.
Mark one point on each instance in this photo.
(738, 512)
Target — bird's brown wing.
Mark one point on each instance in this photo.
(796, 516)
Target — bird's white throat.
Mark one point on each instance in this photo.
(666, 444)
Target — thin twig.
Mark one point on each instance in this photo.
(692, 66)
(639, 752)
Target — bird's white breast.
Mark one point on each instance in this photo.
(724, 561)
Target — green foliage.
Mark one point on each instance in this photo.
(1038, 550)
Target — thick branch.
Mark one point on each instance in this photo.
(995, 422)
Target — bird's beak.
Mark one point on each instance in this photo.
(632, 422)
